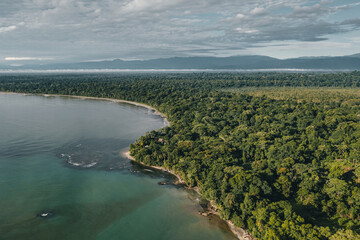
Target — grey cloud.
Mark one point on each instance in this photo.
(304, 23)
(80, 30)
(355, 22)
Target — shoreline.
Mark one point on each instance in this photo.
(156, 112)
(126, 154)
(239, 233)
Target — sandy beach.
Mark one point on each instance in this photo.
(156, 112)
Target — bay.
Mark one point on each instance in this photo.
(62, 175)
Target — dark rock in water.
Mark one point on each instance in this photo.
(205, 214)
(133, 171)
(162, 183)
(45, 214)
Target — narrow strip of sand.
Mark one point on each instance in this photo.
(156, 112)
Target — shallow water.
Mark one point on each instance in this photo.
(61, 157)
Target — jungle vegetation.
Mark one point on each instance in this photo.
(277, 153)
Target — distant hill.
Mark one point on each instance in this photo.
(254, 62)
(355, 55)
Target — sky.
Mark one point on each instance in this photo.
(39, 31)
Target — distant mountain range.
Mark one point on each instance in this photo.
(254, 62)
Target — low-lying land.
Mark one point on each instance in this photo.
(282, 163)
(314, 94)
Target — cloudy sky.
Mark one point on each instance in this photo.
(86, 30)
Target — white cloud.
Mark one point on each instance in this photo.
(7, 29)
(257, 11)
(26, 59)
(240, 16)
(242, 30)
(146, 5)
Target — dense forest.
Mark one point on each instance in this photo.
(281, 167)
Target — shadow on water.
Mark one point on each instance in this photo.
(200, 204)
(141, 170)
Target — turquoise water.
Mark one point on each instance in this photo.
(60, 157)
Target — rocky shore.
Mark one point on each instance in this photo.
(240, 233)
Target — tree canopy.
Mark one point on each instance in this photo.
(281, 167)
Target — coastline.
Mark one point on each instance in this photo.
(126, 154)
(239, 233)
(156, 112)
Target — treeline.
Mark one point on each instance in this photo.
(283, 169)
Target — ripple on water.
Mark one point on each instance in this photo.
(102, 154)
(25, 146)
